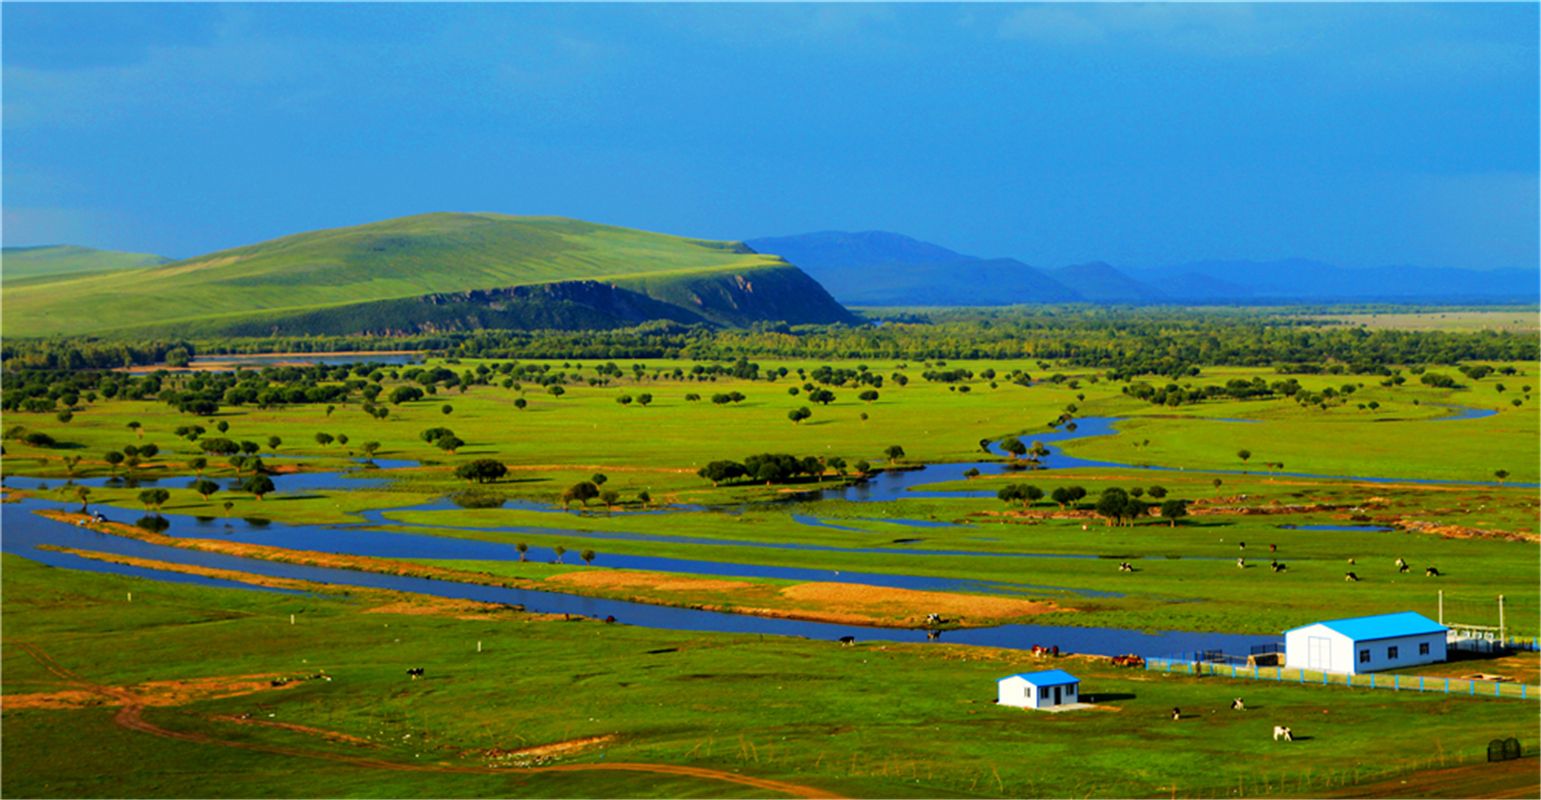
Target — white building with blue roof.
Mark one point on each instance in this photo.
(1366, 644)
(1046, 689)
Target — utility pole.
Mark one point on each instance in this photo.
(1501, 619)
(1441, 606)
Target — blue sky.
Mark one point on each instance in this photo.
(1142, 135)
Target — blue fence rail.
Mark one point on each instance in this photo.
(1397, 683)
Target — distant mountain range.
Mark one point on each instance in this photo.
(431, 272)
(878, 268)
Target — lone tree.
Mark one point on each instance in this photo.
(154, 498)
(644, 498)
(370, 448)
(599, 478)
(82, 493)
(521, 403)
(869, 396)
(274, 442)
(610, 498)
(198, 464)
(1501, 474)
(587, 556)
(136, 428)
(797, 415)
(204, 487)
(582, 491)
(894, 453)
(449, 444)
(559, 551)
(1173, 510)
(1244, 455)
(258, 485)
(482, 470)
(1157, 492)
(323, 439)
(447, 409)
(1217, 484)
(113, 459)
(523, 549)
(1014, 446)
(644, 399)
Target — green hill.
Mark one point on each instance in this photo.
(59, 260)
(430, 272)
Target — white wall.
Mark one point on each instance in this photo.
(1334, 652)
(1017, 692)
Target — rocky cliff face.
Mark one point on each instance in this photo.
(728, 298)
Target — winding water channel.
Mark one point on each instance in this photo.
(25, 531)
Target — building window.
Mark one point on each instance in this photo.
(1423, 648)
(1364, 656)
(1391, 654)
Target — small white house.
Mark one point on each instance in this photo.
(1046, 689)
(1366, 644)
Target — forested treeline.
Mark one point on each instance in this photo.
(1126, 341)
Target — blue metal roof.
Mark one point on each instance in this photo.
(1382, 626)
(1048, 677)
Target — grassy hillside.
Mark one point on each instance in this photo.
(49, 262)
(323, 276)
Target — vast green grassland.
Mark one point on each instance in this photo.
(872, 720)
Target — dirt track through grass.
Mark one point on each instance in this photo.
(131, 717)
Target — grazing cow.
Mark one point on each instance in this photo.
(1177, 713)
(1350, 577)
(847, 641)
(933, 635)
(1431, 572)
(1124, 566)
(1404, 569)
(415, 672)
(1241, 545)
(1241, 563)
(1279, 566)
(1273, 548)
(1238, 705)
(1281, 732)
(1054, 651)
(609, 620)
(1401, 563)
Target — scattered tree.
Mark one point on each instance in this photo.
(482, 470)
(153, 498)
(1173, 510)
(258, 485)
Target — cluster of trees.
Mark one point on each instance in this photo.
(1145, 341)
(1235, 389)
(1118, 506)
(1121, 507)
(767, 468)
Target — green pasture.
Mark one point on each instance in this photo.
(872, 720)
(587, 427)
(334, 269)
